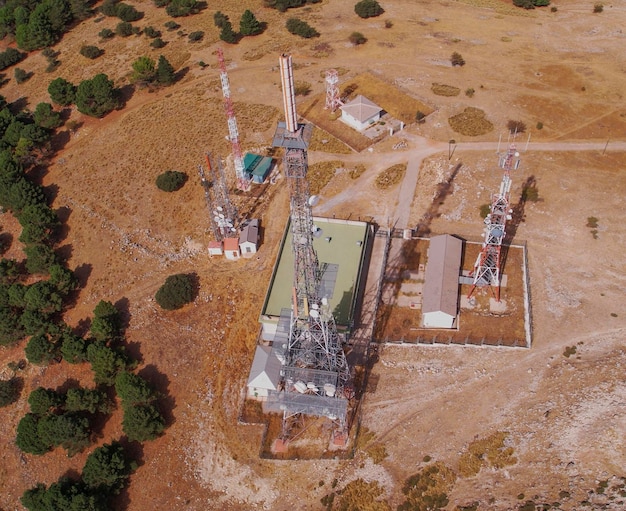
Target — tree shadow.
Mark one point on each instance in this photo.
(123, 307)
(134, 452)
(133, 350)
(70, 383)
(59, 140)
(50, 191)
(4, 80)
(160, 381)
(82, 327)
(6, 240)
(82, 273)
(124, 94)
(18, 105)
(17, 386)
(72, 474)
(181, 73)
(443, 190)
(61, 231)
(195, 283)
(64, 252)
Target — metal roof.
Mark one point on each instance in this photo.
(265, 370)
(250, 232)
(441, 281)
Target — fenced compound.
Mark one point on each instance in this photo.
(480, 327)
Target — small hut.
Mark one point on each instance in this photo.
(360, 113)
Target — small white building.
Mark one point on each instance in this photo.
(231, 248)
(215, 248)
(441, 282)
(360, 113)
(249, 237)
(264, 373)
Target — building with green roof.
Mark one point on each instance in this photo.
(341, 248)
(257, 167)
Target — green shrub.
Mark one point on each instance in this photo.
(157, 43)
(516, 126)
(106, 33)
(177, 291)
(220, 19)
(456, 59)
(597, 8)
(151, 32)
(301, 28)
(171, 180)
(178, 8)
(127, 12)
(91, 52)
(469, 92)
(171, 25)
(21, 76)
(196, 36)
(539, 125)
(368, 9)
(357, 38)
(124, 29)
(485, 209)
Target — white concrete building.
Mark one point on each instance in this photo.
(360, 113)
(264, 373)
(249, 237)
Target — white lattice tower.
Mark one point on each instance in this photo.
(332, 90)
(313, 354)
(487, 268)
(243, 182)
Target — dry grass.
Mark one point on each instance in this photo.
(357, 171)
(441, 89)
(399, 105)
(472, 122)
(390, 176)
(500, 7)
(387, 96)
(320, 174)
(490, 451)
(323, 141)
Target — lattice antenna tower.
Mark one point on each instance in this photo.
(206, 186)
(243, 182)
(487, 268)
(222, 212)
(315, 374)
(333, 100)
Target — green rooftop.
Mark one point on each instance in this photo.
(340, 251)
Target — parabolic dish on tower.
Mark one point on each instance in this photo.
(313, 200)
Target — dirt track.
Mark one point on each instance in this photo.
(565, 416)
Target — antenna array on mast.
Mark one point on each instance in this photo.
(315, 378)
(243, 182)
(487, 268)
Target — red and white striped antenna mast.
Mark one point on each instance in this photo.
(243, 182)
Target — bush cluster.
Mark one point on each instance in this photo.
(171, 180)
(177, 291)
(301, 28)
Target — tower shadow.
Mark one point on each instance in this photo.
(443, 190)
(517, 217)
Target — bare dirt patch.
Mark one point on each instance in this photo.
(565, 416)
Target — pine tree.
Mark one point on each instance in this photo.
(249, 25)
(227, 34)
(165, 74)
